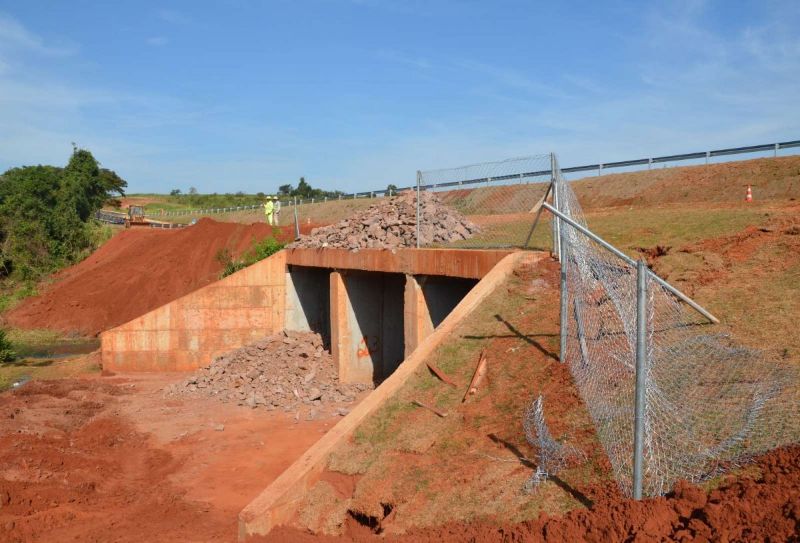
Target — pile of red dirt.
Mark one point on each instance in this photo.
(763, 507)
(135, 272)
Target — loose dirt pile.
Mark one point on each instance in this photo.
(136, 271)
(763, 507)
(284, 371)
(391, 224)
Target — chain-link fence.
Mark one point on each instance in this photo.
(498, 199)
(671, 396)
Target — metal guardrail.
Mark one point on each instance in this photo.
(599, 167)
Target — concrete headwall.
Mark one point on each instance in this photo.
(188, 333)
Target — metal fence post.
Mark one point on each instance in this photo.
(556, 220)
(562, 357)
(296, 222)
(641, 378)
(419, 181)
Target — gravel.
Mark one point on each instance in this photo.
(391, 224)
(286, 371)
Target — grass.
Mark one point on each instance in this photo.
(13, 292)
(36, 369)
(46, 354)
(39, 343)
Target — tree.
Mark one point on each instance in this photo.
(46, 213)
(391, 190)
(192, 191)
(304, 190)
(286, 190)
(175, 192)
(112, 183)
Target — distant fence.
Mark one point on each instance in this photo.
(118, 217)
(537, 175)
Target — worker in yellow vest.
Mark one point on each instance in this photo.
(269, 210)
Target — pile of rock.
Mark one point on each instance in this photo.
(391, 223)
(284, 371)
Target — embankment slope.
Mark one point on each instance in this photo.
(136, 271)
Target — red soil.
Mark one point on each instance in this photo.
(135, 272)
(100, 460)
(764, 507)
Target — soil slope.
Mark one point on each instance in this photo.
(136, 271)
(761, 507)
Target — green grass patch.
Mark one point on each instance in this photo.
(13, 292)
(376, 430)
(259, 251)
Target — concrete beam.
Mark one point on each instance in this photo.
(467, 263)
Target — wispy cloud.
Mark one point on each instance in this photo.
(173, 16)
(14, 36)
(396, 57)
(157, 41)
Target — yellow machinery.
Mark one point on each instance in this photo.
(135, 217)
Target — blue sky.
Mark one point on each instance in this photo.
(355, 94)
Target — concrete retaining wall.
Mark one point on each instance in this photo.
(188, 333)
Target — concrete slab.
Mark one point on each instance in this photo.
(468, 263)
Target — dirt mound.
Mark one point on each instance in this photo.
(391, 224)
(136, 271)
(765, 507)
(283, 371)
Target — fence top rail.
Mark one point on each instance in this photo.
(494, 163)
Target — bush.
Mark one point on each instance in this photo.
(7, 353)
(259, 251)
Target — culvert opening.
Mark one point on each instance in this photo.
(377, 318)
(308, 301)
(443, 294)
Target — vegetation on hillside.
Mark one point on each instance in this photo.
(195, 200)
(177, 200)
(46, 217)
(259, 251)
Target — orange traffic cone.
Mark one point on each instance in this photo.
(749, 196)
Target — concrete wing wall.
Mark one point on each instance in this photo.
(188, 333)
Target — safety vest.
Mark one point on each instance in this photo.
(268, 207)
